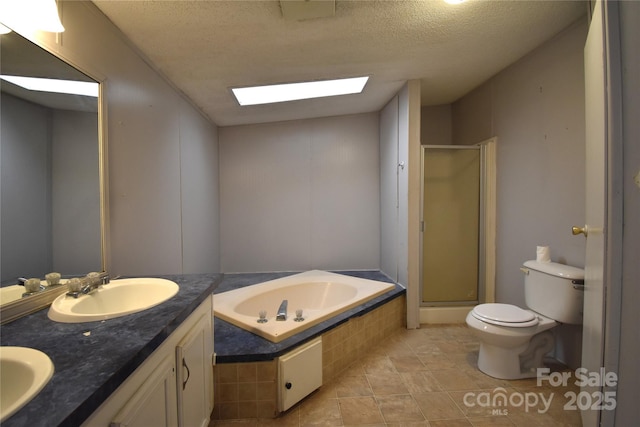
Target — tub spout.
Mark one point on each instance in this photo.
(282, 311)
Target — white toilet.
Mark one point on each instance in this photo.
(513, 341)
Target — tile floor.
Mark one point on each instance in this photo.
(426, 377)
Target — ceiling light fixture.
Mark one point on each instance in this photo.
(454, 1)
(296, 91)
(30, 15)
(72, 87)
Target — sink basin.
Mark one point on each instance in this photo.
(117, 298)
(25, 371)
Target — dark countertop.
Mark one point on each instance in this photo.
(233, 344)
(88, 368)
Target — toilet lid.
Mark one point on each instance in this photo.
(504, 315)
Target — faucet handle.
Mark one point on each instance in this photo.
(32, 285)
(262, 316)
(94, 278)
(74, 284)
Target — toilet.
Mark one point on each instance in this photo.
(513, 341)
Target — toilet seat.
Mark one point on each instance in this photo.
(504, 315)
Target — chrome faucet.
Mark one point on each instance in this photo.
(282, 311)
(89, 283)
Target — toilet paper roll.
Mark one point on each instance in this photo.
(542, 254)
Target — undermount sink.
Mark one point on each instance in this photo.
(117, 298)
(25, 372)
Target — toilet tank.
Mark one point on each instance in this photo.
(554, 290)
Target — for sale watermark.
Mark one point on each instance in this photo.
(499, 400)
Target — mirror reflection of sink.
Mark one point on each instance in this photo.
(10, 293)
(25, 372)
(117, 298)
(15, 292)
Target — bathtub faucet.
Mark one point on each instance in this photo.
(282, 311)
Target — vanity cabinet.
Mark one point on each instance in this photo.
(194, 375)
(154, 404)
(173, 387)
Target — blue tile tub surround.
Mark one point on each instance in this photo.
(234, 344)
(88, 368)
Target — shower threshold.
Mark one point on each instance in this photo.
(445, 314)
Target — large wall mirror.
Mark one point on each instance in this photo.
(50, 183)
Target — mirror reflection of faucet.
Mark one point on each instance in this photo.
(35, 285)
(52, 278)
(32, 286)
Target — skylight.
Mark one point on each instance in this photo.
(295, 91)
(54, 85)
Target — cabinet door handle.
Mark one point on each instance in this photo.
(184, 384)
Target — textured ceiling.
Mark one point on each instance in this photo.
(207, 47)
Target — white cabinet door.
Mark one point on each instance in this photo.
(300, 373)
(149, 397)
(154, 403)
(195, 375)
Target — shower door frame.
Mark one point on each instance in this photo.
(486, 226)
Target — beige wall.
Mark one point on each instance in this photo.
(435, 125)
(162, 153)
(300, 195)
(389, 233)
(472, 116)
(536, 110)
(400, 193)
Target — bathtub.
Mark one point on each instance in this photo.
(319, 294)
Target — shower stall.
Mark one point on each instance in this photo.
(454, 227)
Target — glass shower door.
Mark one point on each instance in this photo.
(451, 207)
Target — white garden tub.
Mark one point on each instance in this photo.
(319, 294)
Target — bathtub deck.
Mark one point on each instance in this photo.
(233, 344)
